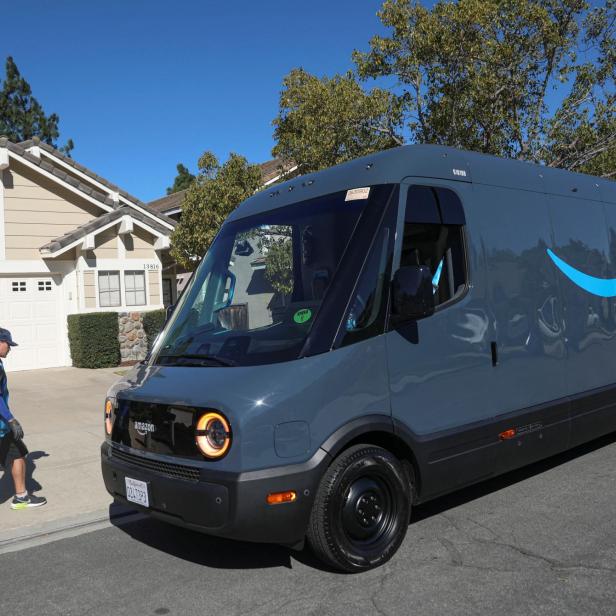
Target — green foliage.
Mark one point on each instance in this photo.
(21, 115)
(215, 193)
(153, 322)
(279, 266)
(478, 74)
(323, 122)
(182, 180)
(93, 339)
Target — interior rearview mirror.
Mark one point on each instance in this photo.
(412, 293)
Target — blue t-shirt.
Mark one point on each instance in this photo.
(5, 412)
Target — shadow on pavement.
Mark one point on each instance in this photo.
(227, 554)
(202, 549)
(7, 489)
(486, 487)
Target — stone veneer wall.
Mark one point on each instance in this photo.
(133, 341)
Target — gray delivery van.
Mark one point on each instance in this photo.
(366, 338)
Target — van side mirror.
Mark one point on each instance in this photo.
(412, 293)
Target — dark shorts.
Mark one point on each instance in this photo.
(10, 449)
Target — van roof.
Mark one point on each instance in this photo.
(429, 161)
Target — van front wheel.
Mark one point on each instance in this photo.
(361, 511)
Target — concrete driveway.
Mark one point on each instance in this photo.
(61, 411)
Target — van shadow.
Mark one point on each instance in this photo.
(201, 549)
(467, 495)
(7, 488)
(228, 554)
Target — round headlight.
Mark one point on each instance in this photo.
(108, 416)
(213, 435)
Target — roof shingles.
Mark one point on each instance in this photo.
(89, 227)
(21, 150)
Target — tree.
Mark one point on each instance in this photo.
(484, 75)
(21, 115)
(182, 180)
(323, 122)
(215, 193)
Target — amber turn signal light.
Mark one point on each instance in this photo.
(108, 416)
(277, 498)
(507, 434)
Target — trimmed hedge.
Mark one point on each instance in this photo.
(93, 338)
(153, 322)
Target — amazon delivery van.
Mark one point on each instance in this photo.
(366, 338)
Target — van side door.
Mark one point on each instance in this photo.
(525, 301)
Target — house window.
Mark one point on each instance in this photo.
(44, 285)
(109, 289)
(167, 294)
(19, 286)
(134, 288)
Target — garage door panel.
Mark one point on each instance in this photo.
(45, 310)
(22, 334)
(34, 317)
(46, 333)
(20, 310)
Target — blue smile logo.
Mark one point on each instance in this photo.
(604, 287)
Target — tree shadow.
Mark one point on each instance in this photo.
(7, 488)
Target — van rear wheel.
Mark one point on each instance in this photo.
(361, 511)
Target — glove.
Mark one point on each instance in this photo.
(18, 431)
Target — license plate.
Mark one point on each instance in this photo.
(137, 492)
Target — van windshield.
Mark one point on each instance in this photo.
(256, 294)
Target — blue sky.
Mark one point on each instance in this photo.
(140, 86)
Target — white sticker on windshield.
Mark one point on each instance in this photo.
(356, 194)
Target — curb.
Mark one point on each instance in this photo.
(69, 527)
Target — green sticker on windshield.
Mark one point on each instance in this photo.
(303, 315)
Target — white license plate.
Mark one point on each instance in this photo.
(137, 492)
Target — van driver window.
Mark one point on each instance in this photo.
(433, 237)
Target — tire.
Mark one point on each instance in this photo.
(362, 509)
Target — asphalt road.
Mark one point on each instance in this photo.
(538, 541)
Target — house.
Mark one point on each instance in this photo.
(171, 205)
(72, 242)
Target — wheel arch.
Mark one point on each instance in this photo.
(376, 430)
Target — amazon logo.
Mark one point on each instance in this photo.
(603, 287)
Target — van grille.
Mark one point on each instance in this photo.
(177, 471)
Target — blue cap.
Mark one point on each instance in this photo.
(5, 336)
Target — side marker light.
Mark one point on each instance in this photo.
(277, 498)
(507, 434)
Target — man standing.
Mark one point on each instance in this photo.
(13, 450)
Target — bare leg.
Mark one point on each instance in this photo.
(18, 470)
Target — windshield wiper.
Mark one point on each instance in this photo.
(198, 360)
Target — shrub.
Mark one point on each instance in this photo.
(153, 322)
(93, 338)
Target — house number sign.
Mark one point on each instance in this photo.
(150, 266)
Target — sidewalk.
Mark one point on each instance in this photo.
(61, 411)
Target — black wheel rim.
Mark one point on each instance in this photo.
(369, 511)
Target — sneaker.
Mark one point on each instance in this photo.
(25, 502)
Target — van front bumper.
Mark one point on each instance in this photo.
(218, 503)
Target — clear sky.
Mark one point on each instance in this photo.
(142, 85)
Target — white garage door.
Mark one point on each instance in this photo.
(30, 309)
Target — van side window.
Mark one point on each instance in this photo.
(366, 312)
(433, 236)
